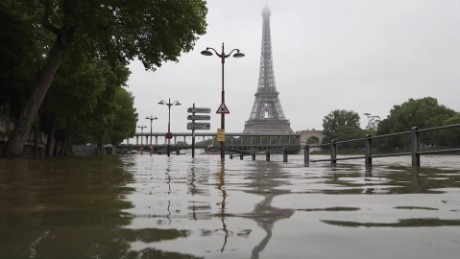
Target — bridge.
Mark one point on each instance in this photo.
(238, 142)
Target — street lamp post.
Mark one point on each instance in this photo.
(142, 127)
(222, 56)
(169, 135)
(151, 118)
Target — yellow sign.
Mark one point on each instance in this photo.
(220, 135)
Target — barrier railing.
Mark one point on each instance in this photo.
(415, 150)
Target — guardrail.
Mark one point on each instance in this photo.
(415, 152)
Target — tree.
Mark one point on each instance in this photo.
(449, 137)
(85, 93)
(116, 30)
(372, 123)
(124, 125)
(422, 113)
(21, 55)
(341, 125)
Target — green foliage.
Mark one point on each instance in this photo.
(342, 125)
(21, 52)
(372, 123)
(101, 37)
(119, 30)
(421, 113)
(87, 100)
(449, 137)
(124, 124)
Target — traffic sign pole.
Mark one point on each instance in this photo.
(197, 126)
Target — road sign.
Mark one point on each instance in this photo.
(222, 109)
(169, 135)
(220, 135)
(199, 110)
(199, 117)
(199, 126)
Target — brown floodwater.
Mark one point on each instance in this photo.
(141, 206)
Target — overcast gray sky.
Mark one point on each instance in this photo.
(359, 55)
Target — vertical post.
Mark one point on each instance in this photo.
(169, 126)
(285, 155)
(415, 146)
(193, 131)
(267, 156)
(142, 136)
(333, 153)
(368, 150)
(306, 155)
(222, 120)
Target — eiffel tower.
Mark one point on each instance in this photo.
(267, 115)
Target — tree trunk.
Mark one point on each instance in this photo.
(68, 144)
(65, 144)
(57, 147)
(36, 132)
(51, 141)
(17, 139)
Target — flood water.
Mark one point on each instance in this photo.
(145, 206)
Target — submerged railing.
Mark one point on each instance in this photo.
(415, 150)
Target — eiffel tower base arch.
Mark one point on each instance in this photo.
(267, 126)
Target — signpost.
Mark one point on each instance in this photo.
(223, 109)
(197, 125)
(220, 135)
(199, 117)
(198, 110)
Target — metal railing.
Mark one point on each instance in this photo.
(415, 150)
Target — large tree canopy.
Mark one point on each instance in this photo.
(112, 30)
(87, 102)
(421, 113)
(341, 125)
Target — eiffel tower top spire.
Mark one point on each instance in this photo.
(267, 115)
(266, 73)
(266, 11)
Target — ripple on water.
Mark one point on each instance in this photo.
(140, 206)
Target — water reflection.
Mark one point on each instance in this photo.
(413, 222)
(70, 208)
(168, 182)
(266, 178)
(177, 207)
(221, 187)
(199, 209)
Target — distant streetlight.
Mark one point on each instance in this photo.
(142, 127)
(151, 118)
(222, 56)
(169, 135)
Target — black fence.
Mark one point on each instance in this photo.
(414, 151)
